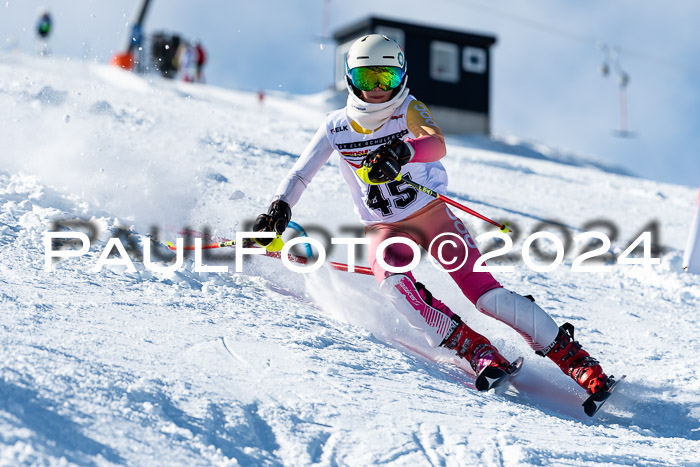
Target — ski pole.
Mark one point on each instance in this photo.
(339, 266)
(364, 270)
(363, 173)
(503, 227)
(246, 244)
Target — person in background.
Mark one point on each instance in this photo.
(164, 49)
(200, 58)
(43, 30)
(185, 61)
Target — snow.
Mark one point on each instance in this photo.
(270, 367)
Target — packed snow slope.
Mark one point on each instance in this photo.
(272, 367)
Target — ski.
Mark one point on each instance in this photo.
(492, 376)
(597, 400)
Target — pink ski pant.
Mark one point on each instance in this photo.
(422, 227)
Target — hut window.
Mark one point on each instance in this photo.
(474, 60)
(444, 61)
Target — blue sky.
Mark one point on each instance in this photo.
(547, 85)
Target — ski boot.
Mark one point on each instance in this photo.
(582, 368)
(491, 368)
(576, 362)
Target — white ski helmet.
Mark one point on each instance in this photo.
(375, 50)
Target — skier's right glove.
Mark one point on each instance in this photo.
(384, 163)
(276, 220)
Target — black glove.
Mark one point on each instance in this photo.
(276, 220)
(384, 163)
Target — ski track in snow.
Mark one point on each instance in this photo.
(269, 367)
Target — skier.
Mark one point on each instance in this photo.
(384, 130)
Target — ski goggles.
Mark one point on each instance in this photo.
(366, 78)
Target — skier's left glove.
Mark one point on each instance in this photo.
(276, 220)
(384, 163)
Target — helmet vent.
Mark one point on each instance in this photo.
(364, 56)
(388, 56)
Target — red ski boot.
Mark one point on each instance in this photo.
(489, 365)
(577, 363)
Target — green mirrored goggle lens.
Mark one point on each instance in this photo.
(369, 77)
